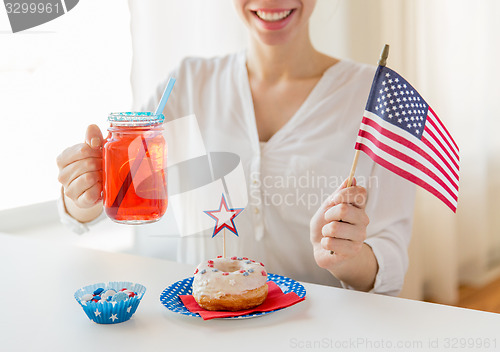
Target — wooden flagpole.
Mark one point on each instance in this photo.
(381, 62)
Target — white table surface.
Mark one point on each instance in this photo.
(39, 313)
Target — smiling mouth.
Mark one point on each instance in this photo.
(272, 16)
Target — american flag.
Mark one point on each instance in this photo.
(402, 133)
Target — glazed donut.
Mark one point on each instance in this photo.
(230, 284)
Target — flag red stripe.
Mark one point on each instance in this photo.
(412, 162)
(413, 146)
(444, 128)
(426, 130)
(443, 138)
(405, 174)
(433, 148)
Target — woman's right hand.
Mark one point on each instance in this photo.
(80, 173)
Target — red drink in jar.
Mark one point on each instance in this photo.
(134, 168)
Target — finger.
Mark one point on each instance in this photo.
(355, 195)
(81, 184)
(348, 213)
(91, 196)
(344, 230)
(93, 137)
(78, 168)
(330, 201)
(77, 152)
(341, 246)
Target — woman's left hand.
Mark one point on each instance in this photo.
(338, 228)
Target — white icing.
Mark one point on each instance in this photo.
(216, 284)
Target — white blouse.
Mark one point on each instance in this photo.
(290, 175)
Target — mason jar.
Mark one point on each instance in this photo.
(134, 168)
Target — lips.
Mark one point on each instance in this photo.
(273, 19)
(272, 16)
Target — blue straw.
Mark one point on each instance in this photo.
(164, 97)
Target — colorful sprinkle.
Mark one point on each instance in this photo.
(210, 262)
(245, 258)
(196, 271)
(98, 291)
(239, 258)
(203, 272)
(120, 296)
(242, 271)
(234, 258)
(215, 270)
(263, 272)
(210, 265)
(225, 273)
(87, 297)
(250, 270)
(219, 256)
(248, 262)
(245, 274)
(261, 264)
(108, 293)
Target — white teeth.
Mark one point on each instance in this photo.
(273, 16)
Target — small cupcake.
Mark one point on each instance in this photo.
(110, 303)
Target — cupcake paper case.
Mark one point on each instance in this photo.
(110, 312)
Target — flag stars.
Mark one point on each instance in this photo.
(387, 74)
(400, 120)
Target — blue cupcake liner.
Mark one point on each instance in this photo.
(111, 312)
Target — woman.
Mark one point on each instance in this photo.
(291, 113)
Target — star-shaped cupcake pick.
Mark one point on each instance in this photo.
(224, 219)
